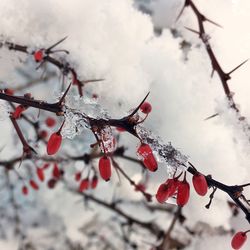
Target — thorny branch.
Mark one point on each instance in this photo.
(216, 67)
(128, 123)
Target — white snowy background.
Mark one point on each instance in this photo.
(114, 40)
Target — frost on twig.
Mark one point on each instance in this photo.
(165, 153)
(78, 113)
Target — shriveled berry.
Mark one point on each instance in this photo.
(54, 143)
(200, 184)
(50, 122)
(78, 176)
(34, 185)
(238, 240)
(146, 108)
(51, 183)
(25, 190)
(43, 134)
(105, 168)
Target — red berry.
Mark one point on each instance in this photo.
(40, 174)
(150, 163)
(105, 168)
(56, 171)
(84, 185)
(78, 176)
(120, 129)
(173, 185)
(140, 187)
(146, 153)
(25, 190)
(43, 134)
(50, 122)
(162, 193)
(54, 143)
(94, 182)
(146, 108)
(200, 184)
(183, 193)
(38, 55)
(51, 183)
(18, 111)
(144, 150)
(9, 91)
(238, 240)
(46, 165)
(34, 185)
(167, 190)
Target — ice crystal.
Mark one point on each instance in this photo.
(163, 152)
(108, 144)
(76, 111)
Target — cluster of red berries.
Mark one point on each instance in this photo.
(50, 122)
(166, 190)
(181, 189)
(239, 239)
(86, 183)
(55, 176)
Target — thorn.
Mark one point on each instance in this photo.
(21, 161)
(229, 73)
(192, 30)
(40, 65)
(137, 108)
(59, 50)
(93, 80)
(182, 10)
(64, 95)
(54, 45)
(33, 150)
(60, 129)
(212, 73)
(212, 116)
(193, 166)
(214, 23)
